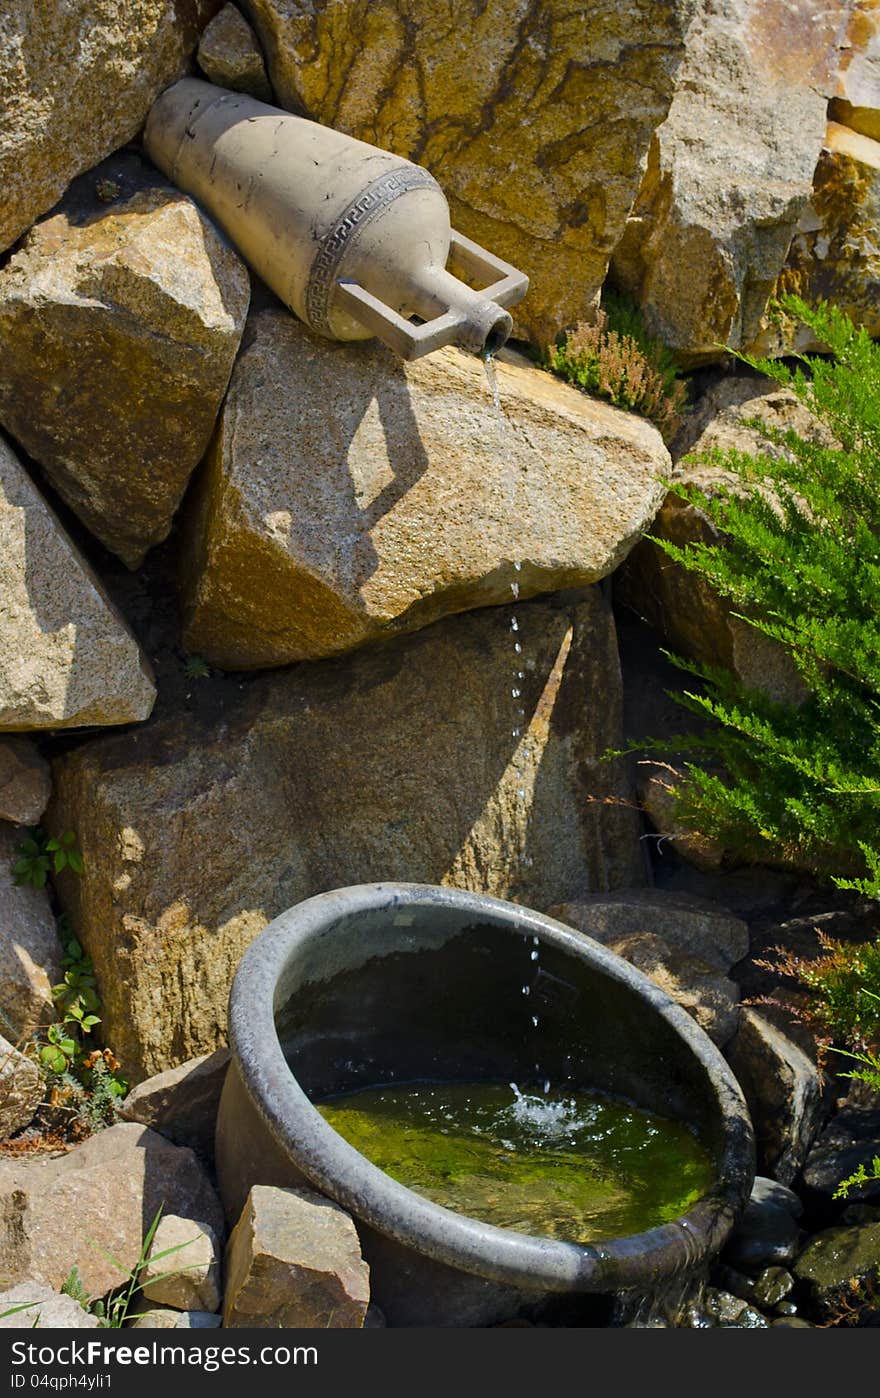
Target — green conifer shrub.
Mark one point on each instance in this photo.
(798, 558)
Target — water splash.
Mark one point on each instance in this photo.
(544, 1120)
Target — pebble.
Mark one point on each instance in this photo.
(772, 1286)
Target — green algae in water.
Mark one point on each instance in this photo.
(571, 1165)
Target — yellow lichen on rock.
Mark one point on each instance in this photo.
(534, 117)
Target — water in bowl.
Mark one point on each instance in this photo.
(570, 1165)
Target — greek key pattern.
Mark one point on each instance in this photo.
(376, 197)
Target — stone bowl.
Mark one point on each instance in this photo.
(402, 982)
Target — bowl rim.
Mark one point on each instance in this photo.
(340, 1171)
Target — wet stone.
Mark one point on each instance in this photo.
(730, 1280)
(750, 1319)
(767, 1191)
(765, 1236)
(772, 1286)
(723, 1307)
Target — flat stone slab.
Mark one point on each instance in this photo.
(349, 496)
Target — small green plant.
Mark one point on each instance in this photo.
(615, 358)
(72, 1286)
(38, 855)
(196, 668)
(797, 555)
(87, 1078)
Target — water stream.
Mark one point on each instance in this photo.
(521, 812)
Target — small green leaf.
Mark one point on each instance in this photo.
(53, 1058)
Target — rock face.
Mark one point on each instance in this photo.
(187, 1276)
(77, 80)
(535, 118)
(66, 656)
(348, 495)
(781, 1087)
(119, 323)
(25, 784)
(397, 763)
(21, 1089)
(230, 56)
(107, 1191)
(685, 944)
(294, 1261)
(43, 1309)
(693, 618)
(834, 255)
(182, 1102)
(857, 91)
(30, 954)
(730, 170)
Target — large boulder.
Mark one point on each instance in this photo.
(25, 783)
(730, 170)
(67, 658)
(94, 1204)
(348, 495)
(834, 255)
(77, 79)
(294, 1261)
(467, 755)
(535, 117)
(119, 322)
(30, 953)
